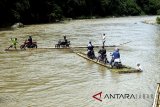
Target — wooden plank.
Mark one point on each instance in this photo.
(155, 102)
(12, 49)
(95, 46)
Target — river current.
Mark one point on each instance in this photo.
(60, 78)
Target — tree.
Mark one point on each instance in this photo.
(154, 7)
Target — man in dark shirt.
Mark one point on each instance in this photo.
(65, 40)
(30, 40)
(102, 55)
(102, 51)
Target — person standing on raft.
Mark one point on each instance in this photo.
(13, 43)
(103, 39)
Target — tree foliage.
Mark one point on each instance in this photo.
(158, 20)
(43, 11)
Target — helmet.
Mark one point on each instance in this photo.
(116, 49)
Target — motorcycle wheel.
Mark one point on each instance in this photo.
(35, 46)
(22, 47)
(106, 61)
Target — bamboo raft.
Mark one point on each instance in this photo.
(156, 102)
(35, 49)
(96, 46)
(124, 69)
(12, 49)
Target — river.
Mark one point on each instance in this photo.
(60, 78)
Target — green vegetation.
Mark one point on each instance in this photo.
(158, 20)
(44, 11)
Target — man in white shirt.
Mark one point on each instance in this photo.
(104, 39)
(139, 67)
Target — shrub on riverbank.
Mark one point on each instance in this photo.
(158, 20)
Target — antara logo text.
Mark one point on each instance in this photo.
(100, 96)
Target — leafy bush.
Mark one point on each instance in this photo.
(158, 20)
(158, 12)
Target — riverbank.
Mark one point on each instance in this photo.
(65, 20)
(153, 22)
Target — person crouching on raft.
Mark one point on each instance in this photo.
(139, 68)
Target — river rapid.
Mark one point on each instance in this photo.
(60, 78)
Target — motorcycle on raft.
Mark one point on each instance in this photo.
(91, 54)
(103, 58)
(63, 44)
(116, 63)
(28, 45)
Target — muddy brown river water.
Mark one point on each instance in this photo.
(60, 78)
